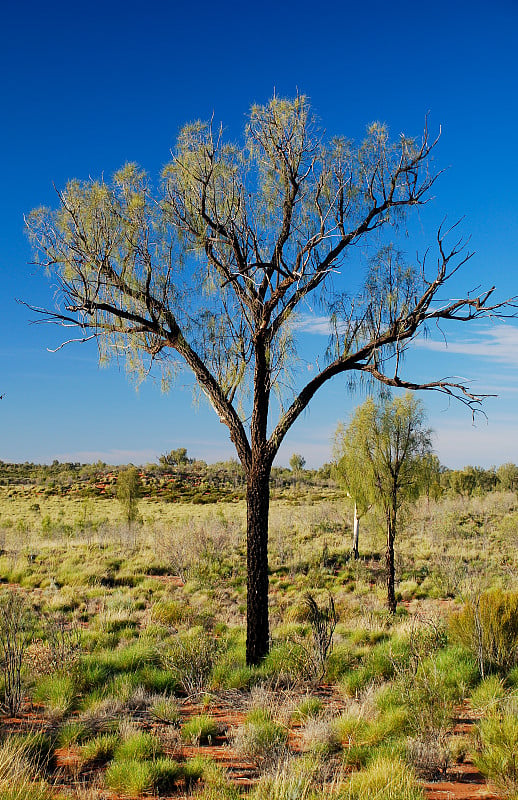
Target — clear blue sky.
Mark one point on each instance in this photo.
(86, 87)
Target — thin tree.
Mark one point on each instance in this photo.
(386, 443)
(129, 490)
(348, 471)
(208, 272)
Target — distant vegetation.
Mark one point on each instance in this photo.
(193, 480)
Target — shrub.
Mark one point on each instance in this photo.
(164, 709)
(57, 692)
(15, 631)
(38, 747)
(292, 780)
(139, 746)
(199, 730)
(18, 773)
(165, 774)
(191, 658)
(193, 771)
(487, 696)
(385, 779)
(319, 737)
(260, 738)
(429, 757)
(498, 757)
(488, 626)
(99, 750)
(307, 708)
(133, 778)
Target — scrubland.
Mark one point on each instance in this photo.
(123, 650)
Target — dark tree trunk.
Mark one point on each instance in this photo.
(391, 535)
(257, 502)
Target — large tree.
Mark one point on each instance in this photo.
(383, 452)
(208, 273)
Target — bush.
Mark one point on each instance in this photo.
(15, 633)
(99, 750)
(498, 759)
(292, 780)
(385, 779)
(488, 626)
(429, 756)
(58, 694)
(199, 730)
(307, 708)
(260, 738)
(133, 778)
(18, 773)
(191, 658)
(164, 709)
(139, 746)
(488, 695)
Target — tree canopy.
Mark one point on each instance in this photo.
(211, 273)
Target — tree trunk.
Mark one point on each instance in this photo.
(356, 533)
(257, 503)
(391, 535)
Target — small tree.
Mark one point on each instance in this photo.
(297, 463)
(347, 470)
(507, 475)
(15, 634)
(175, 458)
(383, 448)
(129, 490)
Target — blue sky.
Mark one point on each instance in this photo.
(86, 87)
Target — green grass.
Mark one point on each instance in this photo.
(148, 639)
(199, 730)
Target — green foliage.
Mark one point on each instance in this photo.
(386, 779)
(488, 626)
(133, 778)
(129, 489)
(292, 780)
(498, 756)
(297, 463)
(379, 459)
(199, 730)
(16, 623)
(260, 738)
(165, 710)
(140, 746)
(99, 750)
(507, 475)
(191, 657)
(175, 458)
(58, 693)
(307, 708)
(487, 697)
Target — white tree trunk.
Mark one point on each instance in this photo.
(356, 532)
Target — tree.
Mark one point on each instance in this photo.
(175, 458)
(383, 451)
(208, 274)
(348, 471)
(297, 463)
(507, 475)
(129, 489)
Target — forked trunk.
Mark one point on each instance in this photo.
(257, 502)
